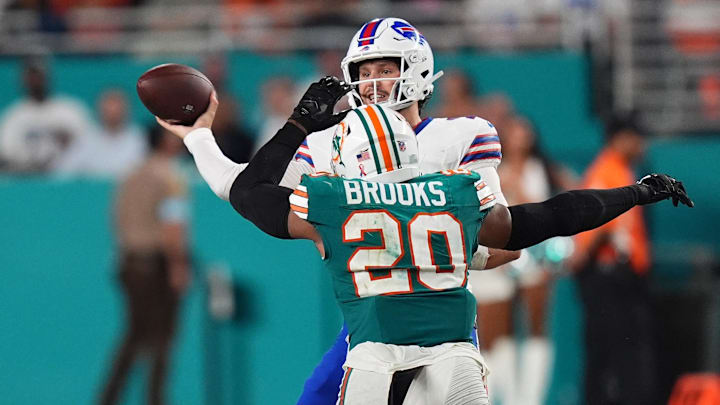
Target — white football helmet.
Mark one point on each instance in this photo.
(392, 38)
(375, 143)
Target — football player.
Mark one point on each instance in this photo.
(405, 298)
(389, 62)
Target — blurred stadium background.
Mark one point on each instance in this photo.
(565, 64)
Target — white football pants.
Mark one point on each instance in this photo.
(453, 381)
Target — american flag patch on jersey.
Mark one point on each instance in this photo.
(363, 155)
(483, 147)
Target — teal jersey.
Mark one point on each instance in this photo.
(398, 253)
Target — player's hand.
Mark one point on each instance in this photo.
(657, 187)
(203, 121)
(314, 112)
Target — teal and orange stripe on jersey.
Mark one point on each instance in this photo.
(343, 387)
(484, 195)
(299, 201)
(381, 137)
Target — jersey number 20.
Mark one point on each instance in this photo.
(420, 229)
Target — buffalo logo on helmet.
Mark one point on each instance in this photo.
(408, 31)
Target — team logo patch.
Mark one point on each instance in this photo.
(341, 132)
(363, 155)
(408, 31)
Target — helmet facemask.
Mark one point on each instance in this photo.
(397, 99)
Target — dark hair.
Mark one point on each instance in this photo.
(623, 122)
(421, 103)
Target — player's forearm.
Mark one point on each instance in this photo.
(490, 258)
(568, 213)
(498, 257)
(271, 161)
(255, 193)
(218, 171)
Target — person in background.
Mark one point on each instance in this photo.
(233, 139)
(498, 108)
(151, 214)
(520, 366)
(458, 97)
(38, 129)
(278, 94)
(112, 150)
(611, 266)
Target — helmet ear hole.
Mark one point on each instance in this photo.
(424, 74)
(354, 69)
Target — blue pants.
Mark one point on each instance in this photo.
(323, 386)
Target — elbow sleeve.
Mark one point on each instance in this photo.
(255, 193)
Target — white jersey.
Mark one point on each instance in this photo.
(444, 143)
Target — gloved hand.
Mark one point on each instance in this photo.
(314, 112)
(657, 187)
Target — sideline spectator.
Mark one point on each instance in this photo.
(278, 101)
(458, 97)
(151, 218)
(612, 265)
(233, 139)
(521, 366)
(114, 149)
(37, 130)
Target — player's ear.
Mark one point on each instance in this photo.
(496, 228)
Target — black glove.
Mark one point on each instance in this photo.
(314, 112)
(657, 187)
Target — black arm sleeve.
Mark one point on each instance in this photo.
(255, 193)
(567, 214)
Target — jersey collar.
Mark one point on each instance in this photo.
(419, 127)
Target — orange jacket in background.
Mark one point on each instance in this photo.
(610, 170)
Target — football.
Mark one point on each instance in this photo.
(176, 93)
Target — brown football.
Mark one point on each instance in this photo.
(176, 93)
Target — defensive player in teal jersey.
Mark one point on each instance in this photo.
(398, 256)
(398, 252)
(391, 246)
